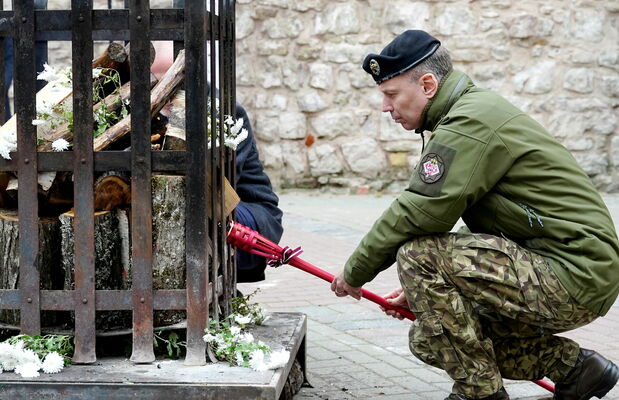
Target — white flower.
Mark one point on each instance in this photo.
(28, 370)
(7, 145)
(209, 338)
(242, 319)
(53, 363)
(233, 143)
(96, 72)
(256, 360)
(247, 337)
(235, 330)
(28, 356)
(9, 362)
(48, 74)
(60, 145)
(279, 359)
(37, 122)
(44, 107)
(237, 126)
(228, 120)
(239, 358)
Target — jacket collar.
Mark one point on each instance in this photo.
(450, 89)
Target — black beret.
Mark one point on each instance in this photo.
(403, 53)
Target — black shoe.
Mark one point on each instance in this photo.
(500, 395)
(593, 375)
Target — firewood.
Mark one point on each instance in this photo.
(110, 271)
(49, 254)
(160, 94)
(112, 190)
(63, 132)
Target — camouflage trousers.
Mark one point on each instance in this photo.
(487, 309)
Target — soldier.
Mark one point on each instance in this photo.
(540, 255)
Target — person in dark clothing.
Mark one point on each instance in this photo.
(258, 208)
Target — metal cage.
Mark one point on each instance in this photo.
(199, 27)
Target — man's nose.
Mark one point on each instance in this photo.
(387, 106)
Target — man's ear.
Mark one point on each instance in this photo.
(429, 84)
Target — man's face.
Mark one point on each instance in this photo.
(405, 100)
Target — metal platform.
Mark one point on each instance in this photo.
(169, 379)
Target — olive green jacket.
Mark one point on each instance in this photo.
(505, 175)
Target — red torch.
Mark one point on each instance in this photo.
(248, 240)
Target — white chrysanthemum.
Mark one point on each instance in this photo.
(27, 356)
(48, 74)
(239, 358)
(242, 319)
(37, 122)
(256, 360)
(279, 359)
(7, 145)
(247, 337)
(53, 363)
(9, 363)
(60, 145)
(235, 330)
(237, 126)
(44, 107)
(96, 72)
(209, 338)
(234, 143)
(28, 370)
(6, 350)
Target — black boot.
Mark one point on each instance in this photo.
(593, 375)
(500, 395)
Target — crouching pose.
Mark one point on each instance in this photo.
(540, 255)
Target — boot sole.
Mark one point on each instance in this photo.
(606, 383)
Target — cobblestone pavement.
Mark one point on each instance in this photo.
(354, 351)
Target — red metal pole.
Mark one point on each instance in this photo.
(251, 241)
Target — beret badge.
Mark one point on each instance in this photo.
(374, 67)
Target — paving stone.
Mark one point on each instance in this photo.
(343, 331)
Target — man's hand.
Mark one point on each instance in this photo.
(396, 298)
(342, 289)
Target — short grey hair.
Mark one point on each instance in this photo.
(438, 64)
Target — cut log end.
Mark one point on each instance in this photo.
(111, 192)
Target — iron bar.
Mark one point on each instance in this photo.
(25, 90)
(196, 228)
(162, 161)
(216, 143)
(141, 205)
(83, 176)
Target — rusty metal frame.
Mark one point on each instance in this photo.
(210, 261)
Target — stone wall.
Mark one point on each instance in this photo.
(316, 113)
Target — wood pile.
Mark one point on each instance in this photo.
(112, 198)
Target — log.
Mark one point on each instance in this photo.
(175, 129)
(112, 190)
(114, 55)
(159, 96)
(112, 103)
(168, 193)
(108, 262)
(51, 275)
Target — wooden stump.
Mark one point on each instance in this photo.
(49, 256)
(169, 265)
(108, 262)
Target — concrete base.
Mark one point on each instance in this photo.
(170, 379)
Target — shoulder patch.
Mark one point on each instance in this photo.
(432, 169)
